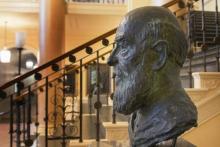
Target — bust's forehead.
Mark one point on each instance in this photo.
(135, 20)
(128, 28)
(121, 31)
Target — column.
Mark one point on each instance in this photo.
(51, 42)
(52, 29)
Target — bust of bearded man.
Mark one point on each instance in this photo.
(150, 48)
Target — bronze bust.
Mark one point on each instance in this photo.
(150, 48)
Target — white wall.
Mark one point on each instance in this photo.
(209, 5)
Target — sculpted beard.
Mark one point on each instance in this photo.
(131, 90)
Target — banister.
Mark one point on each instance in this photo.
(56, 93)
(173, 2)
(19, 97)
(73, 51)
(55, 60)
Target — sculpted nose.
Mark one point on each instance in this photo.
(112, 60)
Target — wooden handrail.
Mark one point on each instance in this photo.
(20, 97)
(173, 2)
(62, 57)
(65, 55)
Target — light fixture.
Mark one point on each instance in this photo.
(19, 41)
(29, 64)
(5, 55)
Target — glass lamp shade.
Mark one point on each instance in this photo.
(5, 56)
(29, 64)
(20, 39)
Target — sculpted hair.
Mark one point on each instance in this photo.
(157, 23)
(177, 44)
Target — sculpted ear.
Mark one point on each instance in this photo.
(161, 47)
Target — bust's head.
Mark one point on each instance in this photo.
(150, 49)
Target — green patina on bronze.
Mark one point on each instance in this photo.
(150, 50)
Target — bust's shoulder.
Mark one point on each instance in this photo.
(164, 120)
(178, 108)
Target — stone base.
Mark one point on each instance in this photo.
(180, 143)
(125, 143)
(118, 143)
(51, 143)
(118, 131)
(85, 143)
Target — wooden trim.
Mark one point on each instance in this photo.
(96, 9)
(173, 2)
(19, 6)
(62, 57)
(73, 51)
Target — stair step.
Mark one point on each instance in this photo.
(196, 93)
(85, 143)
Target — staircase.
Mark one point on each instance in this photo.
(49, 111)
(206, 97)
(197, 64)
(62, 119)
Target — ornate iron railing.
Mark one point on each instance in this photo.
(51, 88)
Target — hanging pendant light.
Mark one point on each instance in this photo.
(5, 54)
(29, 64)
